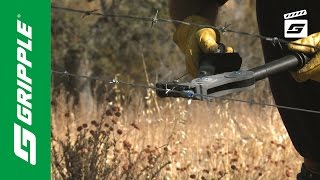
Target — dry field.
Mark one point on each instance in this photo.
(151, 138)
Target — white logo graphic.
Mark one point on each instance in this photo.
(25, 142)
(295, 28)
(24, 139)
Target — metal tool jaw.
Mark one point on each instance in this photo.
(228, 78)
(209, 87)
(223, 84)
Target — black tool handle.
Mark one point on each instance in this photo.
(291, 62)
(219, 62)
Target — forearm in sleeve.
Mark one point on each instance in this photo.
(181, 9)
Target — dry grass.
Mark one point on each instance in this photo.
(197, 140)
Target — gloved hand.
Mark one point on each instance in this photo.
(194, 41)
(312, 69)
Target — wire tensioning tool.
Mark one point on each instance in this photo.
(219, 75)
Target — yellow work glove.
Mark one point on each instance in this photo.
(194, 41)
(312, 69)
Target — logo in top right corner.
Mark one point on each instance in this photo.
(294, 25)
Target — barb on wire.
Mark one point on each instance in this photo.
(114, 81)
(88, 13)
(275, 42)
(156, 19)
(224, 29)
(65, 73)
(189, 94)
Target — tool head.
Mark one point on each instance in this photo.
(217, 63)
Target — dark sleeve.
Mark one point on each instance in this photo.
(221, 2)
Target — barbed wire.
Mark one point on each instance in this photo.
(155, 19)
(115, 81)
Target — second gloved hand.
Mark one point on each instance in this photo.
(194, 41)
(312, 69)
